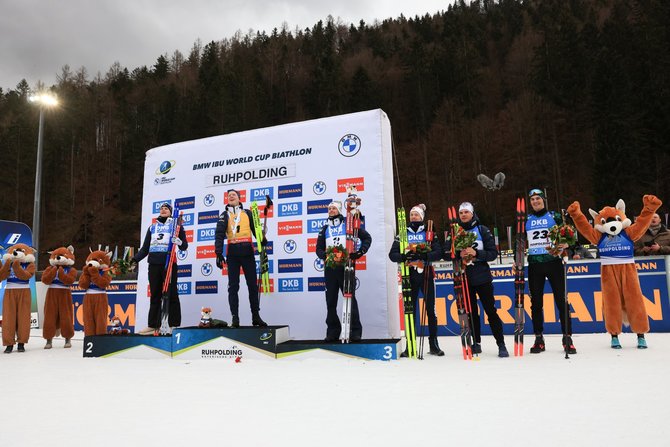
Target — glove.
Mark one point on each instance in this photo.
(412, 256)
(355, 255)
(133, 265)
(403, 257)
(176, 240)
(264, 242)
(220, 260)
(422, 256)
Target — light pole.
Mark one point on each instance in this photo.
(43, 100)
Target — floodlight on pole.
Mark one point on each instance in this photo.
(43, 100)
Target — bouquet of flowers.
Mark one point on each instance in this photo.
(421, 247)
(120, 267)
(561, 235)
(462, 240)
(336, 256)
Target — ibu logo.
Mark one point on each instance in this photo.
(165, 167)
(290, 285)
(319, 188)
(314, 225)
(290, 209)
(258, 194)
(184, 288)
(206, 234)
(290, 246)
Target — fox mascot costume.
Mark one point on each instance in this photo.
(95, 278)
(58, 313)
(18, 268)
(614, 234)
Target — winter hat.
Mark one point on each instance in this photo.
(536, 192)
(337, 204)
(168, 206)
(466, 206)
(421, 209)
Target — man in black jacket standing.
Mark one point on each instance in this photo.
(156, 245)
(236, 225)
(332, 234)
(480, 281)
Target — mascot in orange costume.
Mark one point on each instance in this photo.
(614, 234)
(58, 313)
(95, 278)
(18, 268)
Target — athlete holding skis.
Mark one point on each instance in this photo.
(543, 265)
(156, 246)
(235, 224)
(479, 279)
(333, 234)
(421, 273)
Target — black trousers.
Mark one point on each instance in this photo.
(555, 273)
(485, 293)
(248, 263)
(417, 281)
(157, 274)
(334, 284)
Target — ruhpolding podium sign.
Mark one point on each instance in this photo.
(302, 167)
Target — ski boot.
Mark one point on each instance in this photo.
(235, 322)
(477, 348)
(20, 348)
(568, 346)
(68, 343)
(538, 346)
(48, 345)
(615, 342)
(256, 320)
(404, 354)
(641, 342)
(502, 351)
(9, 349)
(434, 347)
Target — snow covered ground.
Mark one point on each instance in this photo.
(597, 397)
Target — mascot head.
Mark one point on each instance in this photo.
(206, 313)
(99, 259)
(19, 252)
(610, 220)
(62, 256)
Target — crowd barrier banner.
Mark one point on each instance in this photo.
(12, 233)
(302, 167)
(584, 293)
(121, 297)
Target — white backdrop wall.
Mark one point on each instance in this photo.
(302, 167)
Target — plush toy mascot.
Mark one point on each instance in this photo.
(614, 234)
(58, 313)
(95, 278)
(18, 268)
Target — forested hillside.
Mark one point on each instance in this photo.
(571, 95)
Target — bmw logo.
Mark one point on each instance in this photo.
(181, 255)
(318, 265)
(290, 246)
(358, 283)
(349, 145)
(208, 200)
(165, 167)
(206, 269)
(319, 188)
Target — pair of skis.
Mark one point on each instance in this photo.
(461, 290)
(169, 265)
(259, 231)
(353, 224)
(519, 279)
(408, 305)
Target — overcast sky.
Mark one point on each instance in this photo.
(39, 37)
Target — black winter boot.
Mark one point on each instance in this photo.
(568, 346)
(434, 347)
(9, 349)
(236, 321)
(256, 320)
(538, 346)
(20, 348)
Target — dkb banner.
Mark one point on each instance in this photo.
(12, 233)
(302, 167)
(584, 294)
